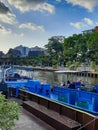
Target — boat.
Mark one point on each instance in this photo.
(76, 98)
(9, 79)
(81, 102)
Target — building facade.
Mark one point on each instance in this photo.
(24, 50)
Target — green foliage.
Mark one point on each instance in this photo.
(75, 48)
(55, 48)
(93, 47)
(81, 48)
(92, 65)
(9, 111)
(68, 64)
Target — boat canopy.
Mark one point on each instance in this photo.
(66, 71)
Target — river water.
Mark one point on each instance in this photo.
(54, 78)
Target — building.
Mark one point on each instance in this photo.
(36, 51)
(91, 30)
(1, 54)
(96, 29)
(13, 53)
(24, 50)
(36, 48)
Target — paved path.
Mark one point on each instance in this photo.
(27, 121)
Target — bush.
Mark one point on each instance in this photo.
(9, 111)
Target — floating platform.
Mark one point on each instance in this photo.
(84, 120)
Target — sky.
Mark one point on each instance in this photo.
(32, 22)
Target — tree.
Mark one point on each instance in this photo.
(8, 113)
(55, 47)
(75, 48)
(92, 44)
(70, 51)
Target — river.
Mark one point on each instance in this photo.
(54, 78)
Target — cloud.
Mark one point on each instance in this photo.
(4, 30)
(35, 5)
(7, 18)
(97, 23)
(88, 4)
(83, 23)
(77, 25)
(4, 9)
(6, 15)
(32, 26)
(88, 21)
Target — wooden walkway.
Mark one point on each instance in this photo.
(53, 118)
(28, 121)
(39, 117)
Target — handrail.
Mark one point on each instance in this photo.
(88, 123)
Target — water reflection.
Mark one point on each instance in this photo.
(55, 78)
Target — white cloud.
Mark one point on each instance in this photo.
(32, 26)
(4, 30)
(88, 21)
(88, 4)
(97, 23)
(83, 23)
(8, 18)
(36, 5)
(6, 15)
(77, 25)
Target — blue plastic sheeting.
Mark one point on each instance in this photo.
(33, 86)
(73, 95)
(77, 84)
(82, 104)
(60, 90)
(95, 102)
(56, 90)
(16, 85)
(80, 99)
(83, 100)
(63, 94)
(45, 90)
(82, 95)
(95, 88)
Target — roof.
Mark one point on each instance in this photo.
(66, 71)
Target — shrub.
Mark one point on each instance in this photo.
(9, 112)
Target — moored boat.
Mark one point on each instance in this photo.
(82, 100)
(73, 100)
